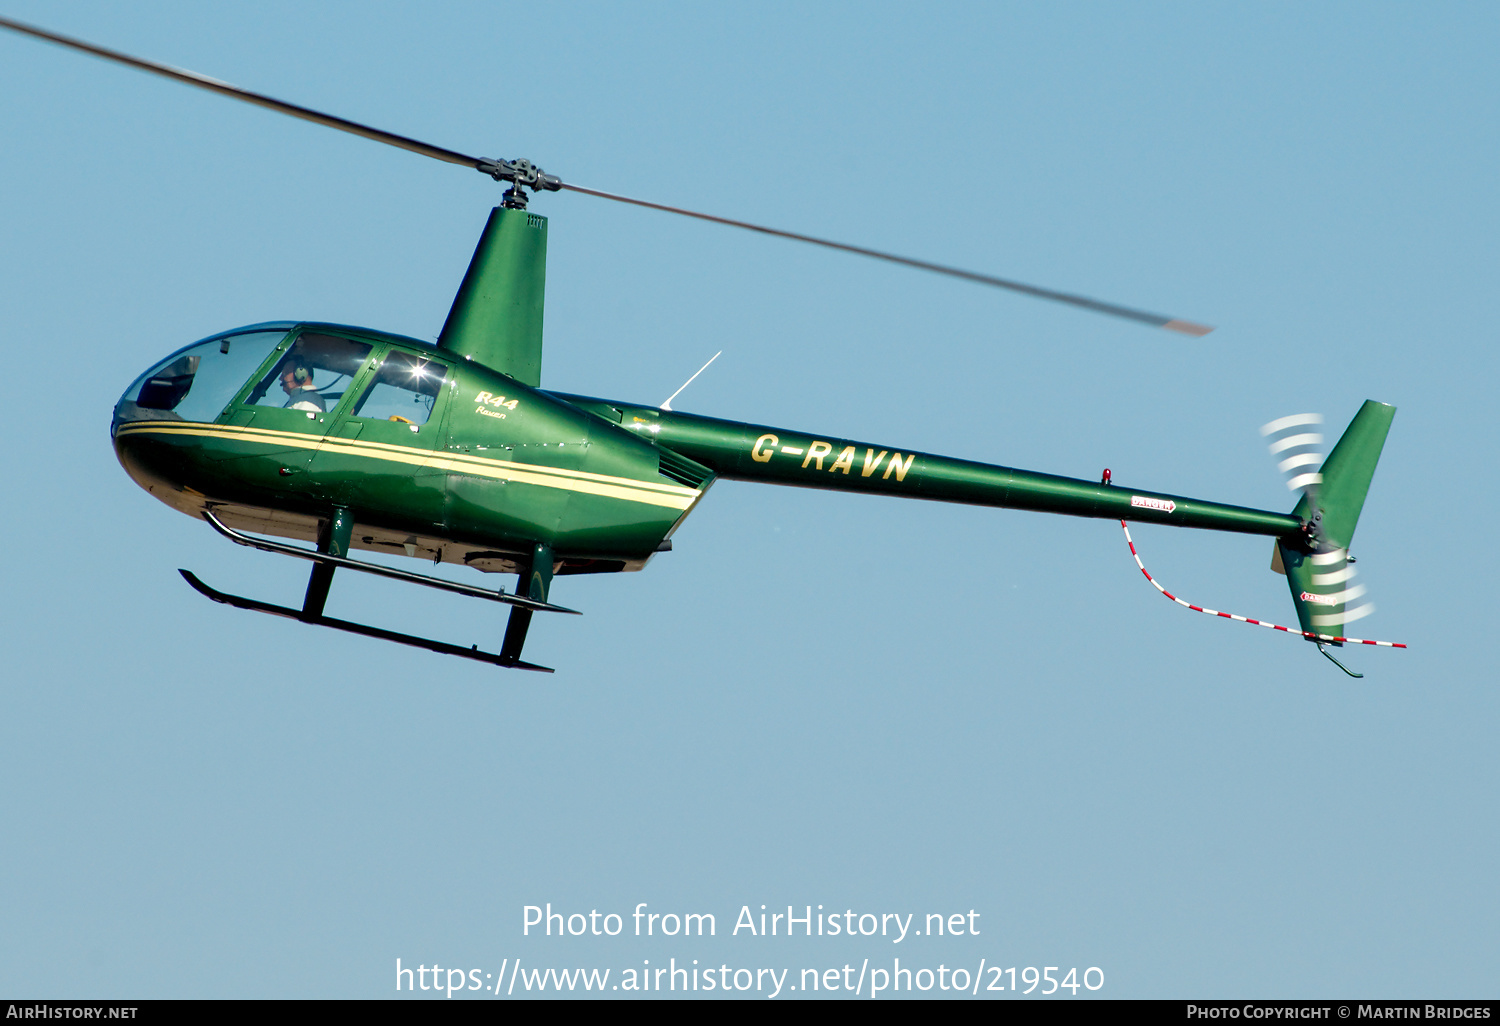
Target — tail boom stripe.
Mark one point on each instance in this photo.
(1245, 619)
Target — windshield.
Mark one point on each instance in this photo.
(197, 383)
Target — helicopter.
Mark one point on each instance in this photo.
(348, 438)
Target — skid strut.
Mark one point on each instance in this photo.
(333, 544)
(333, 540)
(534, 584)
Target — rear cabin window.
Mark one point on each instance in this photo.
(405, 389)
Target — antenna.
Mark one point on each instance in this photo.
(668, 404)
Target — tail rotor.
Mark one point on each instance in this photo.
(1296, 442)
(1318, 566)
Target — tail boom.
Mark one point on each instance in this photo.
(755, 452)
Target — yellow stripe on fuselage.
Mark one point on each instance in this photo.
(649, 492)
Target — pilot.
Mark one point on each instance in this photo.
(301, 393)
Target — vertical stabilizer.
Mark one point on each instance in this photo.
(496, 317)
(1322, 581)
(1347, 472)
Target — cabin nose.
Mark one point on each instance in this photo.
(198, 382)
(194, 386)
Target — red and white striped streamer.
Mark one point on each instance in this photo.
(1245, 619)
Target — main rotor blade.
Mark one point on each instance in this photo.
(1098, 306)
(192, 78)
(524, 173)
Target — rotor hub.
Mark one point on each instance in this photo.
(523, 175)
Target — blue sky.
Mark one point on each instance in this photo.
(865, 703)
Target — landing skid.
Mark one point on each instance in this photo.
(334, 540)
(473, 652)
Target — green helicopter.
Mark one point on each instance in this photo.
(348, 438)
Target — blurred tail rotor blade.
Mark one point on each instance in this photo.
(1327, 601)
(1298, 450)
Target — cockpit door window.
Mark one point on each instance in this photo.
(399, 403)
(312, 377)
(404, 390)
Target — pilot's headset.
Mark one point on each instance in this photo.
(301, 373)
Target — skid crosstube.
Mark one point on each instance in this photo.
(333, 541)
(266, 545)
(473, 652)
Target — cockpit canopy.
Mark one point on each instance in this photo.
(312, 373)
(196, 383)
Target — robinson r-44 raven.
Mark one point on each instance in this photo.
(349, 438)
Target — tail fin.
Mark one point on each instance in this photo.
(1317, 566)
